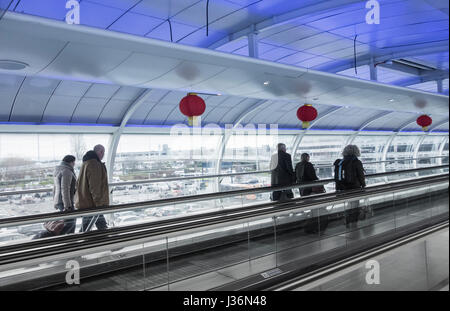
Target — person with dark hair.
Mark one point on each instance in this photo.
(282, 173)
(92, 187)
(64, 186)
(305, 173)
(65, 180)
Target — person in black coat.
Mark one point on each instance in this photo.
(352, 166)
(282, 173)
(349, 175)
(305, 173)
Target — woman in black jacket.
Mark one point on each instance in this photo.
(349, 175)
(305, 173)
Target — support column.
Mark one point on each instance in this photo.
(302, 133)
(373, 70)
(385, 152)
(416, 149)
(227, 134)
(440, 86)
(115, 138)
(441, 149)
(253, 45)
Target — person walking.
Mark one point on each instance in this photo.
(349, 175)
(282, 173)
(305, 173)
(64, 190)
(92, 187)
(64, 186)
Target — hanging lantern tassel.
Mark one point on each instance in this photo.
(424, 121)
(306, 114)
(194, 120)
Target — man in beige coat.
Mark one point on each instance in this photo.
(92, 186)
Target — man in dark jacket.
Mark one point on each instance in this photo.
(92, 186)
(349, 175)
(282, 173)
(305, 173)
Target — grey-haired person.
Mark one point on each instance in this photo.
(282, 173)
(349, 175)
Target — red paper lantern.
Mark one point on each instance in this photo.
(192, 106)
(306, 114)
(424, 121)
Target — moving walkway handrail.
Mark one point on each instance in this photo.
(97, 241)
(159, 180)
(40, 218)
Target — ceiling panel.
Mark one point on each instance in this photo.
(29, 107)
(18, 48)
(135, 24)
(72, 88)
(159, 114)
(88, 110)
(430, 86)
(102, 91)
(60, 108)
(113, 112)
(9, 85)
(141, 113)
(179, 31)
(97, 15)
(392, 122)
(127, 93)
(78, 59)
(347, 118)
(162, 8)
(290, 35)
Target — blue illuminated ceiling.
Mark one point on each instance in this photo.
(313, 34)
(310, 33)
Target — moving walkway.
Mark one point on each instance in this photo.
(224, 248)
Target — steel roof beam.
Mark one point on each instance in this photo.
(280, 19)
(389, 54)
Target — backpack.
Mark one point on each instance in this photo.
(344, 171)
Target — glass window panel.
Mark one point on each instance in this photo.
(27, 161)
(429, 148)
(371, 148)
(323, 150)
(402, 147)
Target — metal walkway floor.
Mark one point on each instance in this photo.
(218, 266)
(421, 265)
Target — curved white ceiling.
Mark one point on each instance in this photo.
(74, 52)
